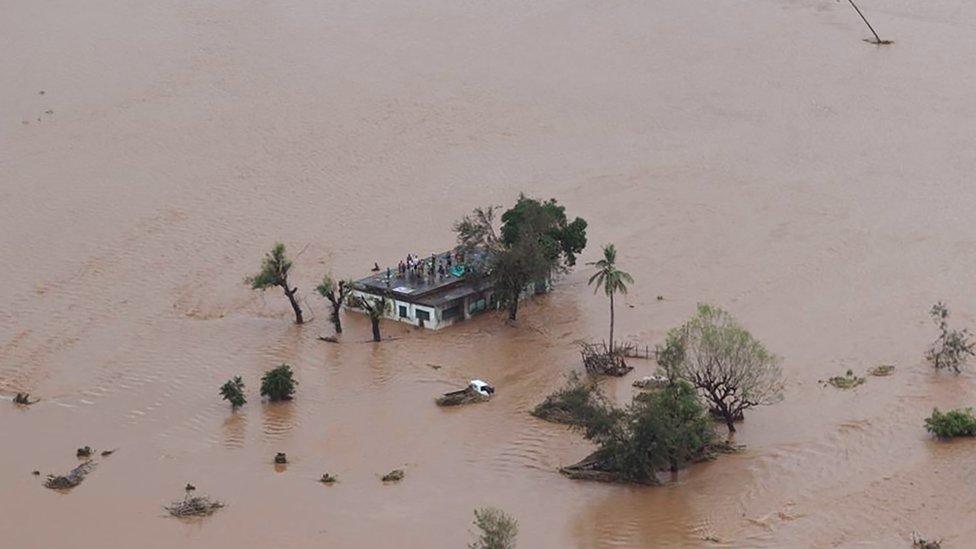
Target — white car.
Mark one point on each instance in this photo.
(481, 387)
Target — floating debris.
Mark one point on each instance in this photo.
(24, 398)
(281, 458)
(882, 370)
(918, 542)
(84, 452)
(70, 480)
(328, 478)
(329, 339)
(106, 453)
(476, 391)
(394, 476)
(196, 506)
(650, 382)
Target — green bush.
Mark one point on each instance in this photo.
(574, 404)
(498, 530)
(233, 392)
(278, 384)
(954, 423)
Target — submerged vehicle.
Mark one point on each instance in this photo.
(476, 391)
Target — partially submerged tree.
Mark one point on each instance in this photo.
(375, 309)
(278, 384)
(952, 347)
(477, 229)
(660, 430)
(733, 371)
(547, 222)
(233, 392)
(497, 529)
(877, 39)
(611, 279)
(274, 272)
(954, 423)
(336, 293)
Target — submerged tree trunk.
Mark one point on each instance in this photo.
(335, 318)
(376, 328)
(611, 322)
(294, 303)
(513, 308)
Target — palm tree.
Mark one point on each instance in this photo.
(612, 279)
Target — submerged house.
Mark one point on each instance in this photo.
(432, 292)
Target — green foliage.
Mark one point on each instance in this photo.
(954, 423)
(660, 430)
(497, 529)
(336, 293)
(611, 279)
(477, 229)
(233, 392)
(547, 222)
(278, 384)
(577, 403)
(882, 370)
(733, 370)
(952, 347)
(847, 381)
(274, 270)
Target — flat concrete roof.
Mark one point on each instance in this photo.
(422, 288)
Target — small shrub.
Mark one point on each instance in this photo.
(954, 423)
(574, 404)
(883, 370)
(328, 478)
(952, 347)
(233, 392)
(278, 384)
(395, 475)
(498, 530)
(847, 381)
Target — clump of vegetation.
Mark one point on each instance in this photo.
(196, 506)
(84, 452)
(328, 478)
(23, 398)
(537, 240)
(278, 384)
(274, 272)
(952, 347)
(954, 423)
(233, 392)
(71, 479)
(732, 370)
(883, 370)
(281, 458)
(374, 308)
(394, 476)
(497, 529)
(846, 381)
(336, 293)
(661, 430)
(576, 403)
(611, 279)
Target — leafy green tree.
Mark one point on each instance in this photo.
(577, 403)
(233, 392)
(733, 370)
(375, 309)
(611, 279)
(336, 293)
(274, 272)
(547, 221)
(660, 430)
(279, 383)
(953, 347)
(497, 529)
(954, 423)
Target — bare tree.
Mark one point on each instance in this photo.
(336, 293)
(374, 307)
(274, 272)
(732, 370)
(953, 347)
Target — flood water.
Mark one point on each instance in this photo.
(755, 154)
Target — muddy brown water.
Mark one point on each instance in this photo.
(757, 155)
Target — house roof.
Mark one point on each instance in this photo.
(433, 291)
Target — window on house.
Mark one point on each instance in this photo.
(423, 315)
(403, 311)
(451, 312)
